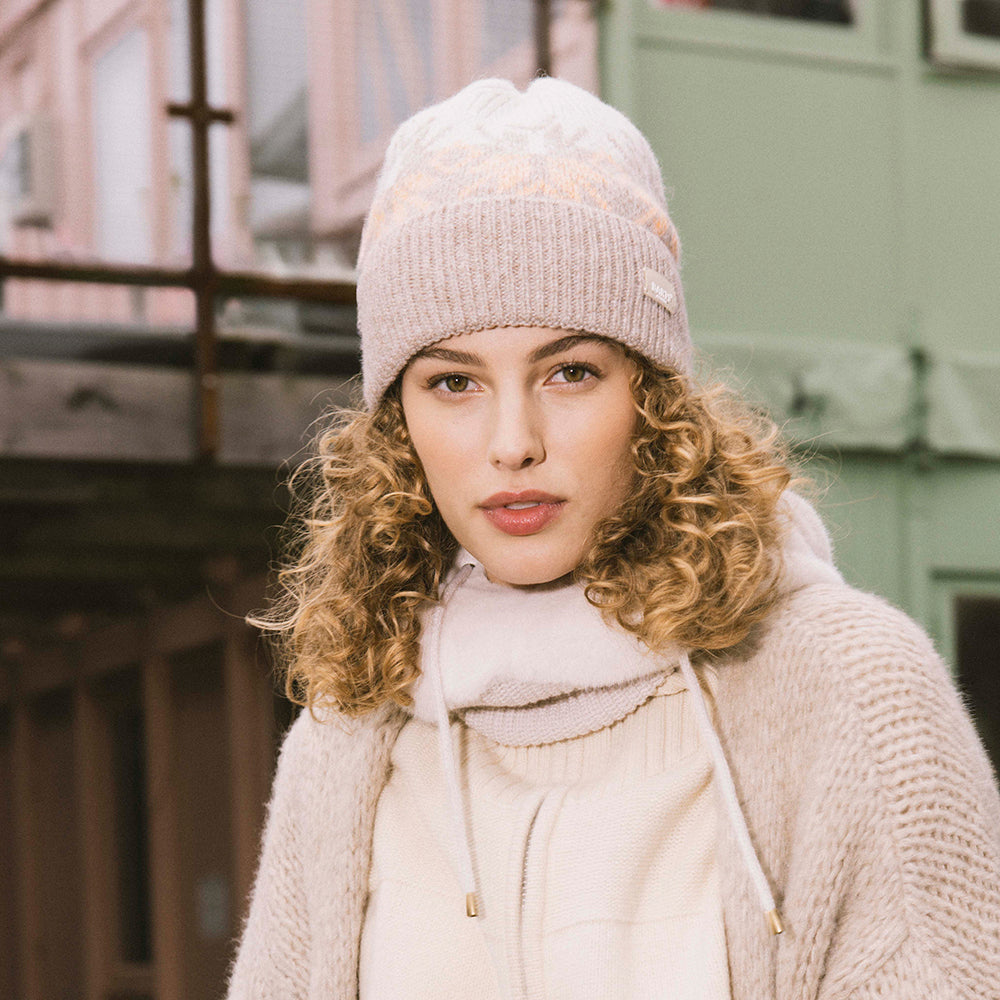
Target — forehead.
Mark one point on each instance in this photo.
(512, 345)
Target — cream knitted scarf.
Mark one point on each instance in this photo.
(535, 665)
(531, 666)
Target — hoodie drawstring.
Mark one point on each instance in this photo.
(725, 782)
(456, 801)
(446, 750)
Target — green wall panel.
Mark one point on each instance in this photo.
(783, 190)
(955, 215)
(962, 517)
(860, 499)
(838, 200)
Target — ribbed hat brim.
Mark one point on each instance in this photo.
(503, 262)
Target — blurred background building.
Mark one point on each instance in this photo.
(182, 184)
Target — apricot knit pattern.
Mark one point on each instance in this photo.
(869, 799)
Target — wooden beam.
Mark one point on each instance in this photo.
(10, 929)
(250, 718)
(196, 622)
(112, 647)
(168, 527)
(89, 410)
(233, 283)
(163, 847)
(26, 845)
(45, 670)
(84, 567)
(39, 483)
(543, 37)
(98, 844)
(29, 12)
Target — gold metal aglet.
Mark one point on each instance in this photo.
(471, 909)
(774, 922)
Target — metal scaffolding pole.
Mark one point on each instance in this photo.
(202, 115)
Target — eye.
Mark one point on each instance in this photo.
(453, 384)
(573, 372)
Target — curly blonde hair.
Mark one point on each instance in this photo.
(692, 557)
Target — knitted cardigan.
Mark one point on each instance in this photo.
(868, 796)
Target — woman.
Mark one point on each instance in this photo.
(577, 662)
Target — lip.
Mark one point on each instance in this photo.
(526, 521)
(521, 496)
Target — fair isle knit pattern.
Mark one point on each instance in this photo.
(500, 208)
(868, 796)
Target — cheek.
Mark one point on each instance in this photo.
(442, 457)
(432, 456)
(610, 455)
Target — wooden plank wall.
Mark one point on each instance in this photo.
(92, 410)
(9, 923)
(134, 769)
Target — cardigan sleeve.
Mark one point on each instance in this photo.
(302, 936)
(272, 959)
(940, 795)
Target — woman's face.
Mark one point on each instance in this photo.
(524, 435)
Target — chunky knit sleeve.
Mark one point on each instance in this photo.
(873, 807)
(272, 961)
(940, 796)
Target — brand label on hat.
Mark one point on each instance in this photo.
(659, 289)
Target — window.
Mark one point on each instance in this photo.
(318, 123)
(981, 17)
(219, 33)
(93, 165)
(977, 628)
(832, 11)
(964, 32)
(106, 187)
(122, 166)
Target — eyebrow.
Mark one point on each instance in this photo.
(539, 354)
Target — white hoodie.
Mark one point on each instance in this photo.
(581, 814)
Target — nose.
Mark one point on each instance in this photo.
(516, 437)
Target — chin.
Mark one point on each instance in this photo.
(528, 571)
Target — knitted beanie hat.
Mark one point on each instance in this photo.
(500, 208)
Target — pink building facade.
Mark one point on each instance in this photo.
(92, 167)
